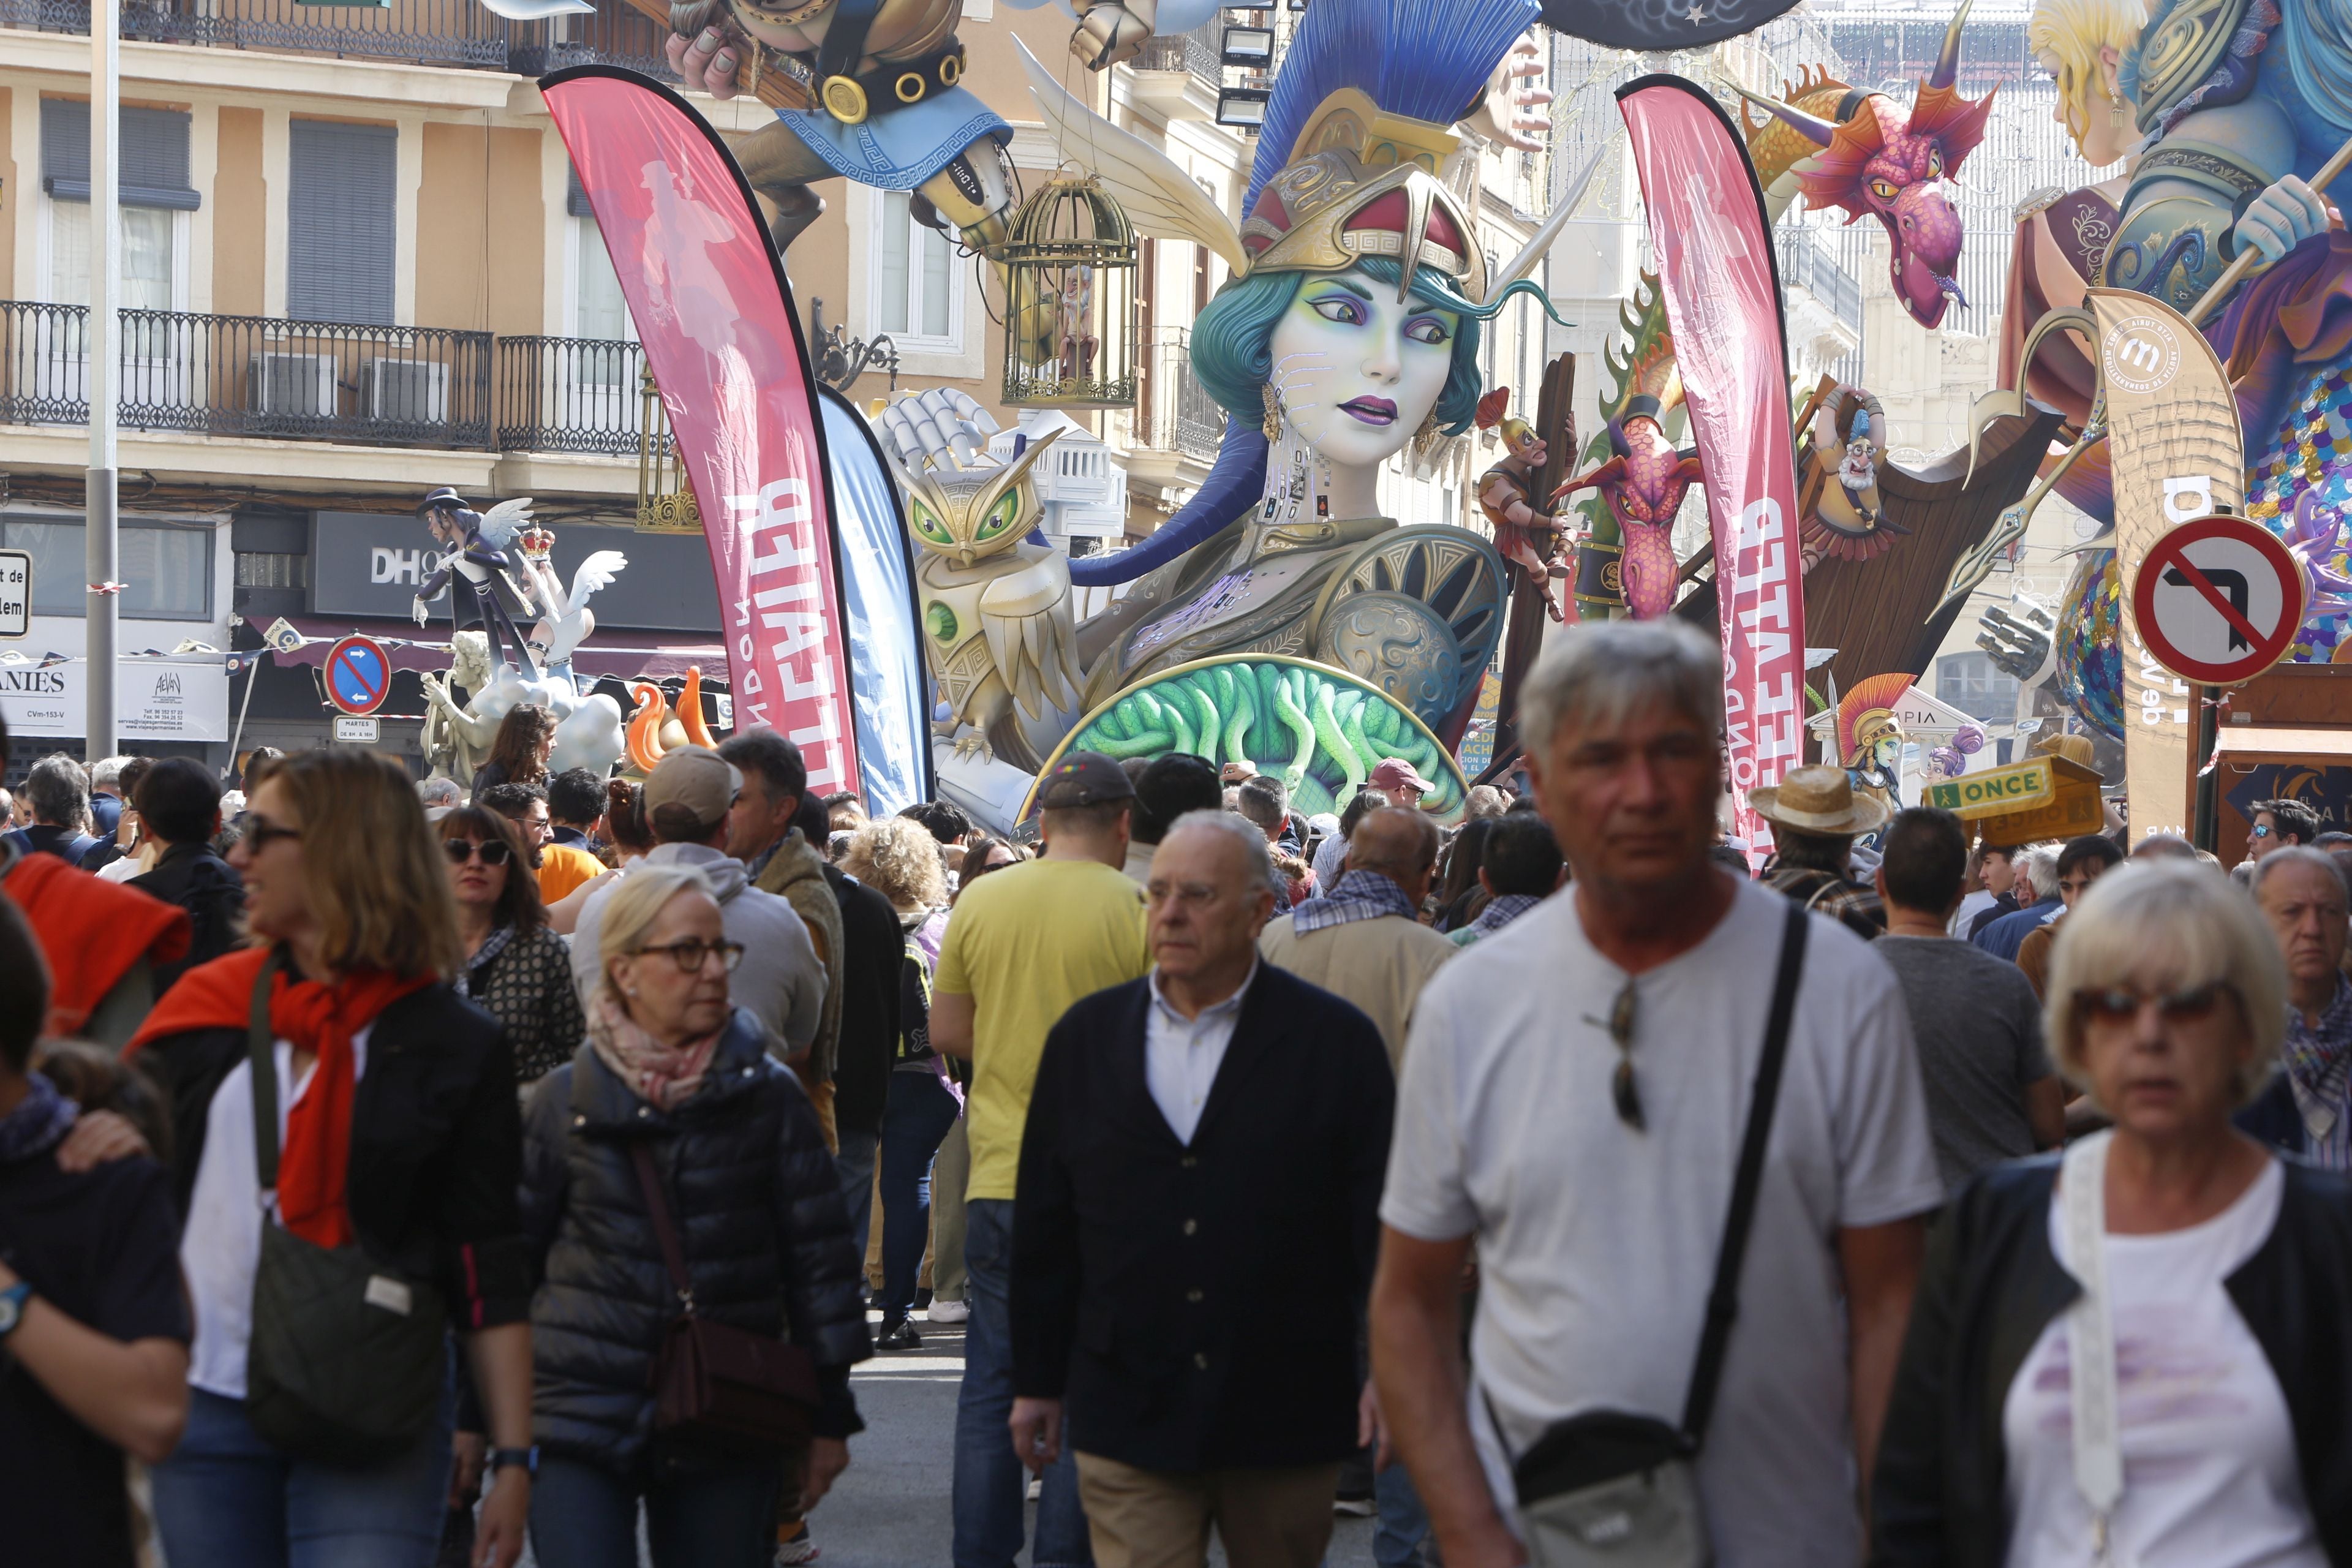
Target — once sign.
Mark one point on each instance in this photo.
(2017, 787)
(2218, 600)
(358, 675)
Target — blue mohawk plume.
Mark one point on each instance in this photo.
(1424, 59)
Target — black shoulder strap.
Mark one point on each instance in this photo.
(1723, 1298)
(845, 37)
(260, 1050)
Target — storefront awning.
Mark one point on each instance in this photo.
(625, 655)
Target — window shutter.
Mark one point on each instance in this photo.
(340, 214)
(152, 171)
(576, 199)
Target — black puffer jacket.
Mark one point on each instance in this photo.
(757, 1204)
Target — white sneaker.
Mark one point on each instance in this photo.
(947, 1313)
(800, 1549)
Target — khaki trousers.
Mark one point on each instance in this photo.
(1159, 1518)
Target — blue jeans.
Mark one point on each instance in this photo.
(990, 1480)
(1401, 1536)
(722, 1515)
(854, 1164)
(919, 1113)
(227, 1498)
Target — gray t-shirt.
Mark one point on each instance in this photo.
(1597, 1243)
(1978, 1028)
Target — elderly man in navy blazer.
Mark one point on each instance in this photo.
(1195, 1230)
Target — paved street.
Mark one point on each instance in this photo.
(890, 1511)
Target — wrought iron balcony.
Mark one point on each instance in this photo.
(416, 32)
(572, 394)
(252, 376)
(1174, 413)
(1198, 51)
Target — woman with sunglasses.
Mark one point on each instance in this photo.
(516, 968)
(2133, 1354)
(397, 1135)
(754, 1203)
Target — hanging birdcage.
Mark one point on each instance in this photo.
(665, 499)
(1069, 309)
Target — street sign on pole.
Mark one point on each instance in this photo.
(357, 730)
(2218, 600)
(16, 592)
(358, 675)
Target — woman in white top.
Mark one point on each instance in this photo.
(2137, 1356)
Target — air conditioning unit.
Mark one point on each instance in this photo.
(404, 391)
(293, 383)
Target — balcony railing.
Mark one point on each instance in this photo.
(1176, 413)
(252, 376)
(415, 32)
(571, 394)
(1804, 264)
(1199, 51)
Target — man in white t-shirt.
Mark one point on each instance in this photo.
(1597, 1215)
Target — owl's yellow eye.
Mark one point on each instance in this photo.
(1001, 516)
(927, 524)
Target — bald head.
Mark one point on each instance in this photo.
(1400, 845)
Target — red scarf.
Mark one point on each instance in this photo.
(314, 1017)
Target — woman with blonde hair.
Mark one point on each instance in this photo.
(386, 1112)
(898, 858)
(2136, 1355)
(674, 1142)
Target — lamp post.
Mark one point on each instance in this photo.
(101, 560)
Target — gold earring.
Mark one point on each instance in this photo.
(1273, 402)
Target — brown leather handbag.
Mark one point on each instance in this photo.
(714, 1380)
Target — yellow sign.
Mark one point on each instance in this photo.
(2020, 787)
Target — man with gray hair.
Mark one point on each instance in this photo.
(2307, 1109)
(1573, 1103)
(439, 796)
(106, 797)
(1363, 939)
(58, 792)
(2038, 903)
(1165, 1113)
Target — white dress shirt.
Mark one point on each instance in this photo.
(1180, 1055)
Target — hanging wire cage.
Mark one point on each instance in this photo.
(1070, 303)
(665, 499)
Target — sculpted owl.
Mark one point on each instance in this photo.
(997, 625)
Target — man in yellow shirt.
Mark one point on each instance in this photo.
(1023, 945)
(575, 804)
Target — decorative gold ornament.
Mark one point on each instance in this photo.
(1273, 401)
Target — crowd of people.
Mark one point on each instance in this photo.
(391, 1173)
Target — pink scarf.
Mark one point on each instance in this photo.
(664, 1077)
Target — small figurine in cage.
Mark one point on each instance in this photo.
(1074, 307)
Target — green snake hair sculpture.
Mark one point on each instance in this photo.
(1318, 728)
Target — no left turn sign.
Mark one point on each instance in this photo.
(2219, 600)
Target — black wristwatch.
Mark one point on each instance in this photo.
(500, 1459)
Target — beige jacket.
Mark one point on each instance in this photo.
(796, 873)
(1379, 964)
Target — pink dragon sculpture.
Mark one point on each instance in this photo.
(1880, 160)
(1643, 483)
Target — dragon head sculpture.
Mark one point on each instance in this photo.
(1877, 159)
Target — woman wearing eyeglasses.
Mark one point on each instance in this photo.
(395, 1143)
(516, 968)
(2137, 1355)
(753, 1202)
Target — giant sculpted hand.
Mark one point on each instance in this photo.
(708, 60)
(2285, 215)
(1111, 31)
